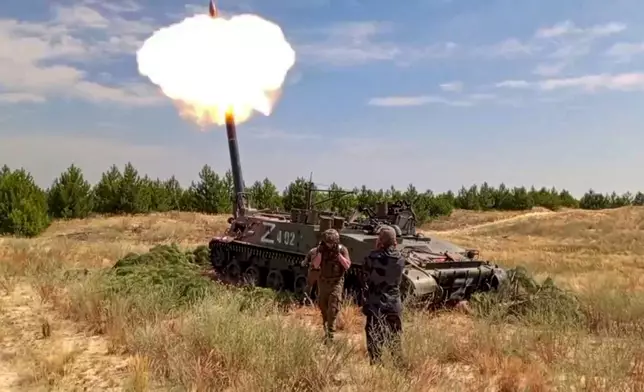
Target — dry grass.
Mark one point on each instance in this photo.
(61, 330)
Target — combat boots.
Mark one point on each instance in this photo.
(328, 335)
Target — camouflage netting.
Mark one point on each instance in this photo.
(166, 254)
(176, 277)
(164, 269)
(523, 299)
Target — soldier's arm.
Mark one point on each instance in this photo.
(312, 273)
(316, 259)
(366, 270)
(344, 258)
(307, 260)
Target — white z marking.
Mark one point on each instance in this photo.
(269, 229)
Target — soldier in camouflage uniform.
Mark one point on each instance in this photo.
(332, 260)
(382, 275)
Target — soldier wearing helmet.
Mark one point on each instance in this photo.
(382, 275)
(329, 263)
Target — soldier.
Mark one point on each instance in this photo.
(382, 275)
(333, 261)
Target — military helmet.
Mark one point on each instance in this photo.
(331, 236)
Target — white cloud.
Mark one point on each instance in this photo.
(570, 42)
(513, 84)
(571, 51)
(559, 47)
(557, 30)
(20, 97)
(350, 44)
(357, 43)
(549, 69)
(568, 28)
(620, 82)
(482, 97)
(456, 86)
(508, 48)
(420, 100)
(80, 16)
(37, 58)
(563, 42)
(118, 6)
(625, 51)
(589, 83)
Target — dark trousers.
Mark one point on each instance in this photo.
(383, 330)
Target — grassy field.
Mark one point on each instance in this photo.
(67, 325)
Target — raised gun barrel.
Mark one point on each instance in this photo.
(238, 181)
(212, 9)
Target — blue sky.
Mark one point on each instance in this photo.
(439, 93)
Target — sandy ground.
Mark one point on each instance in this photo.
(39, 351)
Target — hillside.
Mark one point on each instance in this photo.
(62, 329)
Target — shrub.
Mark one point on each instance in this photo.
(23, 205)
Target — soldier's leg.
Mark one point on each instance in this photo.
(372, 339)
(323, 302)
(374, 331)
(393, 323)
(334, 306)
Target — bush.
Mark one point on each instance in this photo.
(70, 195)
(23, 205)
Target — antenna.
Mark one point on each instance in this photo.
(338, 193)
(309, 193)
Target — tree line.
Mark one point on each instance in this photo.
(26, 209)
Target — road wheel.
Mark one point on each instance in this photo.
(275, 280)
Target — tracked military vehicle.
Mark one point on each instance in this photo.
(267, 249)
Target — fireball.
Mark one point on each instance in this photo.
(211, 66)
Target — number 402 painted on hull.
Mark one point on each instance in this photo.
(283, 237)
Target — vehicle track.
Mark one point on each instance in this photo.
(500, 222)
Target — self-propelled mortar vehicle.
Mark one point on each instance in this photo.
(267, 249)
